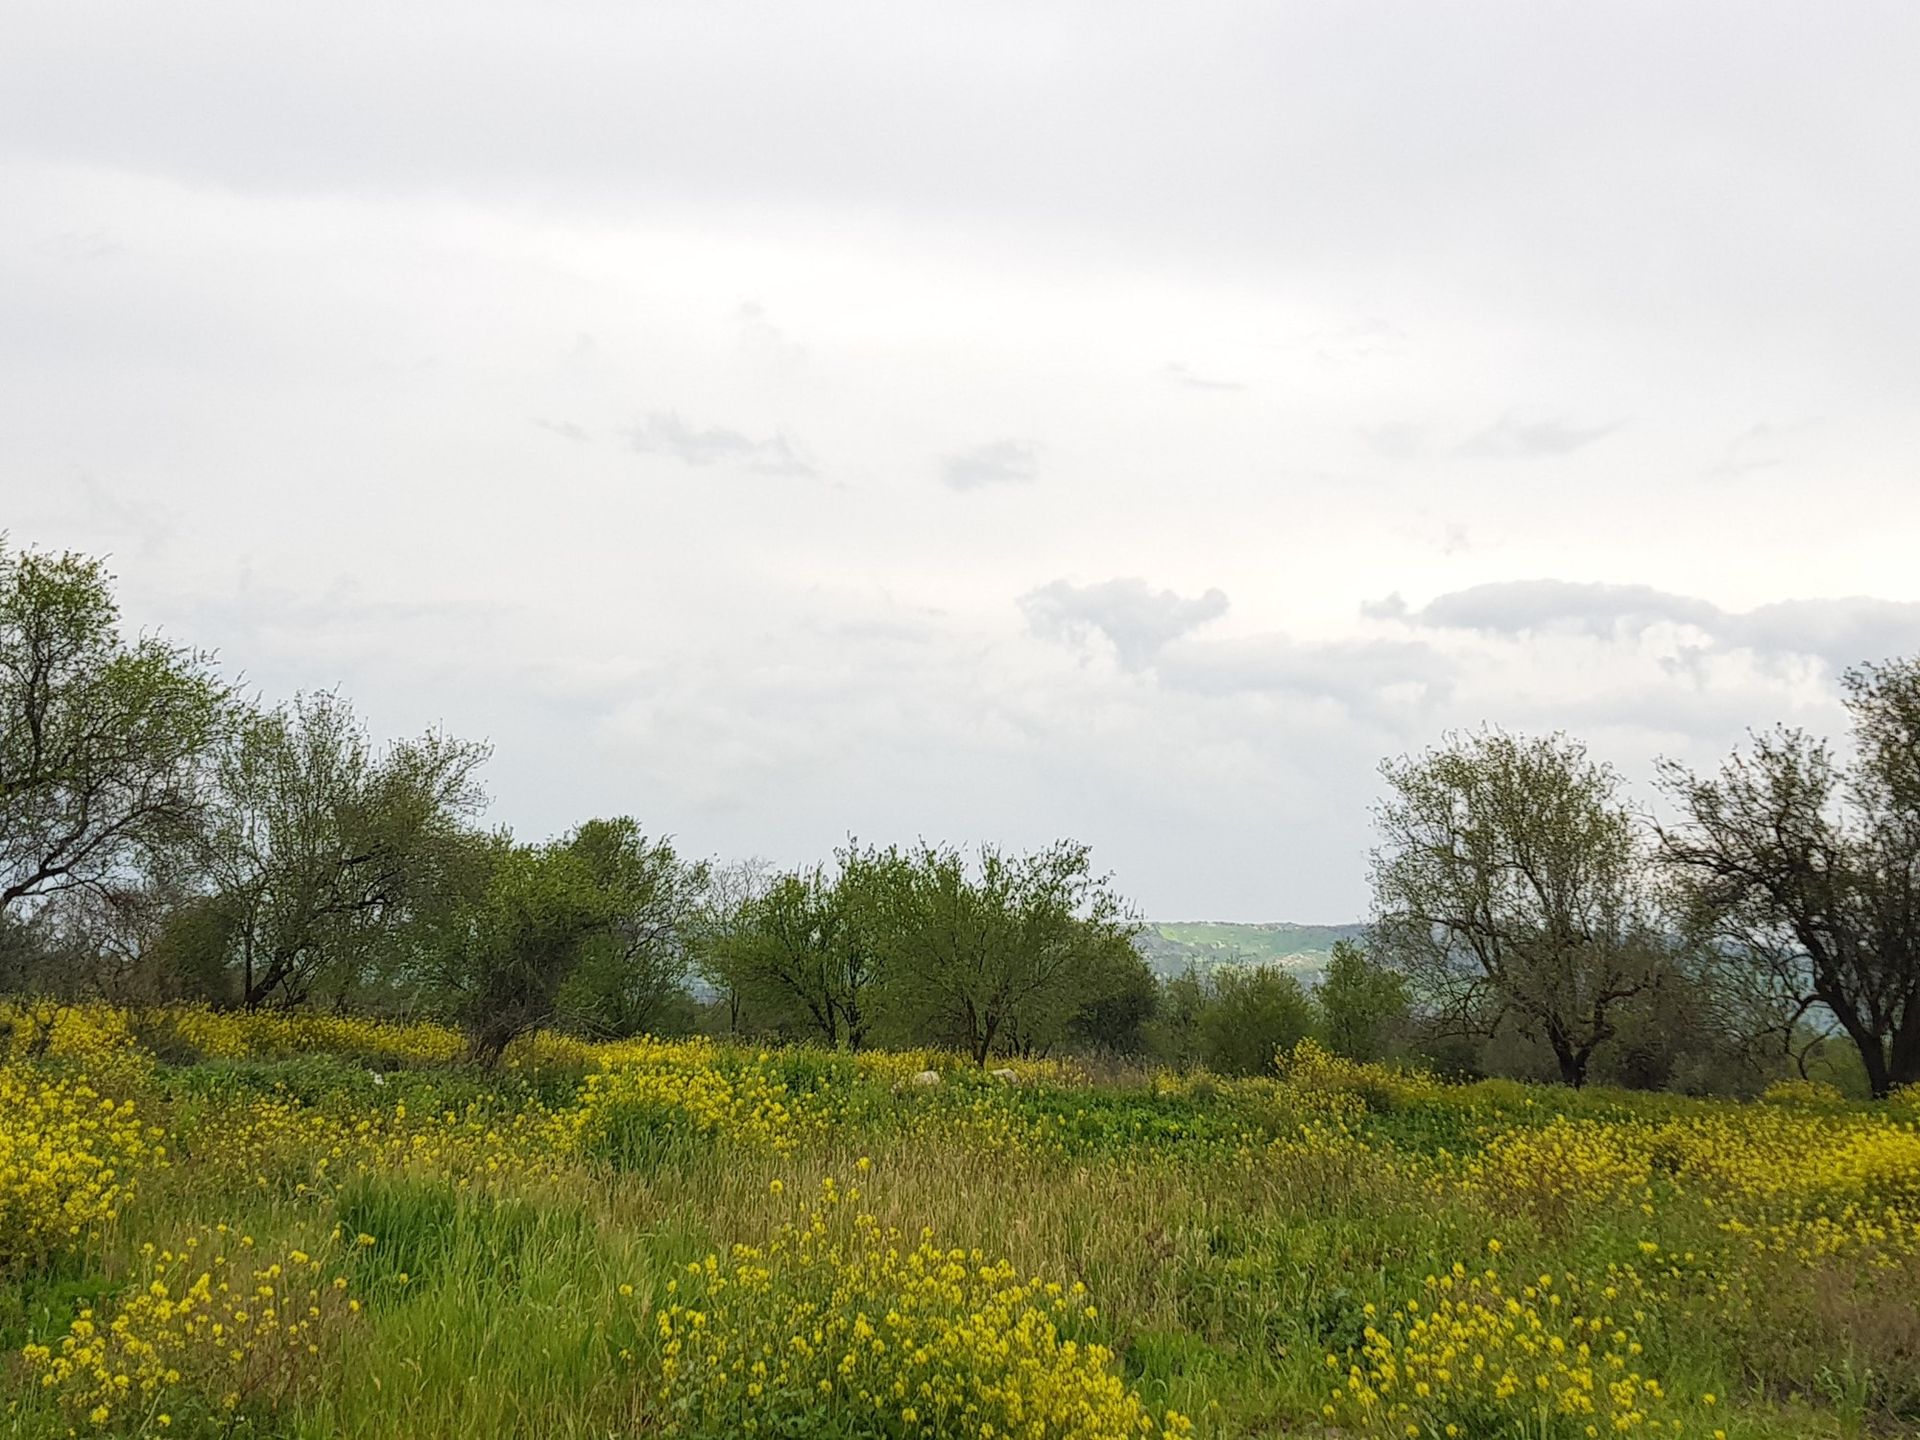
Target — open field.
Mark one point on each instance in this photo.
(315, 1226)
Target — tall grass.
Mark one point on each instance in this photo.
(510, 1241)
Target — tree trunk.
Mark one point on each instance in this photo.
(1573, 1060)
(1873, 1056)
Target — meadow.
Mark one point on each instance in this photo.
(302, 1225)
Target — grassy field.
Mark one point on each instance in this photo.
(313, 1226)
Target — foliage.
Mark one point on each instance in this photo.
(1362, 1006)
(100, 740)
(1807, 875)
(1003, 955)
(1251, 1016)
(320, 849)
(797, 952)
(1509, 885)
(630, 976)
(504, 962)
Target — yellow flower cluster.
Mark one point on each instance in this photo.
(276, 1145)
(98, 1038)
(234, 1035)
(1482, 1357)
(655, 1092)
(213, 1327)
(842, 1322)
(1562, 1167)
(1309, 1066)
(68, 1160)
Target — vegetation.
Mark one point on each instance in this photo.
(327, 1111)
(297, 1224)
(1807, 875)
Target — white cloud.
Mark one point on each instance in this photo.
(365, 302)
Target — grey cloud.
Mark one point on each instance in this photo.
(665, 433)
(1514, 437)
(1138, 620)
(1517, 606)
(565, 429)
(1369, 676)
(1842, 631)
(1003, 462)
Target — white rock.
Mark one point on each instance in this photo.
(1005, 1075)
(926, 1078)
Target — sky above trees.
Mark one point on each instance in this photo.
(987, 422)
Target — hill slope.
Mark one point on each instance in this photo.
(1170, 946)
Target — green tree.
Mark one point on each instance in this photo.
(800, 955)
(1250, 1015)
(1124, 1001)
(1805, 873)
(1174, 1033)
(724, 916)
(1006, 952)
(505, 955)
(101, 740)
(1363, 1006)
(323, 848)
(1509, 886)
(633, 975)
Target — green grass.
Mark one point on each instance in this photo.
(1228, 1255)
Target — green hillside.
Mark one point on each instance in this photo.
(1171, 946)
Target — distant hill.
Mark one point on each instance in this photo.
(1170, 946)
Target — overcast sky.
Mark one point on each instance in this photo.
(981, 421)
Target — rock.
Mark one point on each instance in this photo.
(1006, 1076)
(926, 1078)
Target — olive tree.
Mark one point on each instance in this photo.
(1004, 953)
(322, 846)
(633, 972)
(1509, 886)
(508, 950)
(1805, 872)
(803, 948)
(101, 738)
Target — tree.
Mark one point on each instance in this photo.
(1251, 1015)
(797, 952)
(1509, 886)
(322, 847)
(723, 917)
(1362, 1005)
(1806, 874)
(1124, 1001)
(1174, 1034)
(504, 959)
(101, 741)
(1004, 953)
(631, 974)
